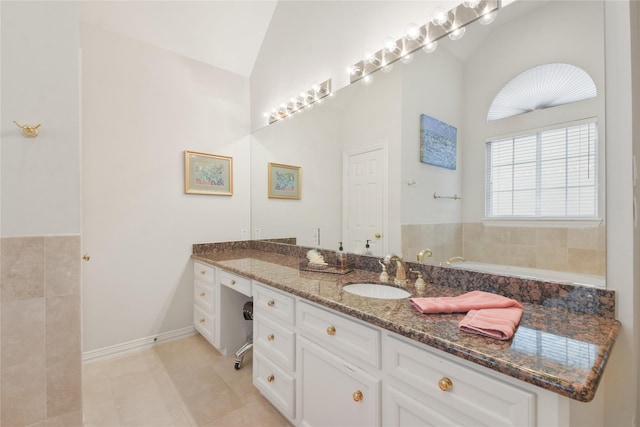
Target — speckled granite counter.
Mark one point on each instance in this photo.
(553, 348)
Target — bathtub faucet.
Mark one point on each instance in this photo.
(454, 259)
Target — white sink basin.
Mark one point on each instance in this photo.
(374, 290)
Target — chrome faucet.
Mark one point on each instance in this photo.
(428, 252)
(401, 274)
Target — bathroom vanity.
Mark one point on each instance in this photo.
(324, 356)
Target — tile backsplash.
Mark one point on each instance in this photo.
(575, 249)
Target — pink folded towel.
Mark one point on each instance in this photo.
(488, 314)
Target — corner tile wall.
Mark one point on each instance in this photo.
(40, 331)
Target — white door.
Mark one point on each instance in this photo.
(365, 207)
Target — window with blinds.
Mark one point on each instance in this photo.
(550, 173)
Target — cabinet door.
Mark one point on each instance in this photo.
(334, 392)
(401, 410)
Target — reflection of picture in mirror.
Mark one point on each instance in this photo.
(437, 143)
(284, 181)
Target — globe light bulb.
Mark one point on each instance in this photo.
(430, 47)
(407, 58)
(471, 3)
(488, 18)
(440, 16)
(390, 45)
(367, 80)
(457, 34)
(412, 32)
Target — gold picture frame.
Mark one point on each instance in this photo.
(208, 174)
(284, 181)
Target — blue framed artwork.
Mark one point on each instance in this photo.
(438, 142)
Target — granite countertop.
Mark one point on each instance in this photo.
(553, 348)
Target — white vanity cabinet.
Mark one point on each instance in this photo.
(219, 297)
(274, 351)
(206, 302)
(423, 388)
(338, 375)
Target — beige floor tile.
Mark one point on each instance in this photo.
(182, 383)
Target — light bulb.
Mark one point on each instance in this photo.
(370, 57)
(387, 68)
(488, 18)
(471, 3)
(390, 45)
(352, 70)
(457, 33)
(407, 58)
(315, 88)
(265, 114)
(367, 80)
(412, 32)
(440, 16)
(430, 47)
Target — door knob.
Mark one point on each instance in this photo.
(86, 256)
(377, 235)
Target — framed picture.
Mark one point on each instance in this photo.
(284, 181)
(437, 142)
(208, 174)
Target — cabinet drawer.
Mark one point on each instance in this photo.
(275, 341)
(334, 392)
(349, 338)
(204, 323)
(204, 296)
(272, 304)
(275, 384)
(235, 282)
(203, 272)
(473, 397)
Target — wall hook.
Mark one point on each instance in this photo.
(30, 131)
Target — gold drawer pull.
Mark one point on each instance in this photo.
(270, 337)
(331, 330)
(271, 303)
(202, 294)
(445, 384)
(358, 396)
(271, 378)
(203, 272)
(233, 282)
(202, 320)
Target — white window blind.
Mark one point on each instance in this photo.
(550, 173)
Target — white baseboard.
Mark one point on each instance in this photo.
(139, 344)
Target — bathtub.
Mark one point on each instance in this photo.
(534, 273)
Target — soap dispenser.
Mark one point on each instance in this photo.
(342, 257)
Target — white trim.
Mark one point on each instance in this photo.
(543, 222)
(139, 344)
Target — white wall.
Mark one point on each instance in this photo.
(40, 176)
(141, 108)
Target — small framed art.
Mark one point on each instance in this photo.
(284, 181)
(208, 174)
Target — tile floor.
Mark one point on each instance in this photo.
(185, 382)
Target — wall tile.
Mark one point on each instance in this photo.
(22, 268)
(582, 238)
(62, 265)
(23, 328)
(555, 237)
(523, 236)
(23, 395)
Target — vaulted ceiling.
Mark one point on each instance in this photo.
(225, 34)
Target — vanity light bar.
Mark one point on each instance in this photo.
(300, 102)
(457, 18)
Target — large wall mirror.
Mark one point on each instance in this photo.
(362, 179)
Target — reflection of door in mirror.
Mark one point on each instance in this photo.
(364, 202)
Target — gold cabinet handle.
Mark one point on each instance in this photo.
(271, 378)
(86, 256)
(271, 303)
(331, 330)
(203, 272)
(358, 396)
(445, 384)
(233, 282)
(202, 294)
(202, 320)
(270, 337)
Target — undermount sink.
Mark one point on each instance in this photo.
(374, 290)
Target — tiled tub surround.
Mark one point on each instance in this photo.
(575, 249)
(40, 357)
(556, 317)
